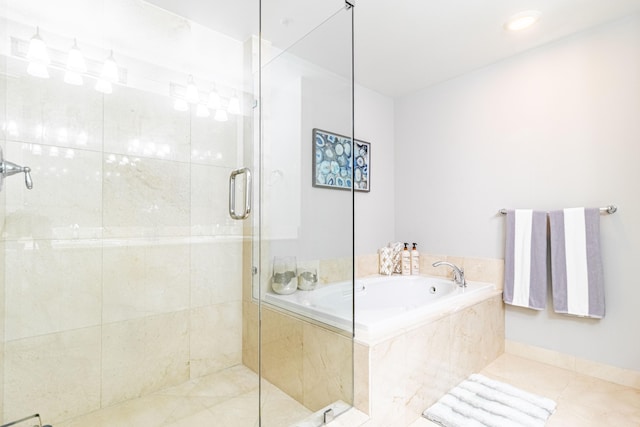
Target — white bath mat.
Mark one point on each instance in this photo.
(481, 402)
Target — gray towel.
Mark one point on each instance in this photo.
(525, 258)
(576, 266)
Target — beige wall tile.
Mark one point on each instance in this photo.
(143, 124)
(327, 367)
(282, 352)
(66, 201)
(388, 373)
(485, 270)
(336, 270)
(142, 278)
(429, 350)
(250, 335)
(366, 265)
(53, 113)
(477, 335)
(214, 142)
(210, 202)
(361, 363)
(216, 272)
(56, 375)
(55, 286)
(145, 197)
(144, 355)
(215, 338)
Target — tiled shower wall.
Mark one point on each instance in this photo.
(121, 269)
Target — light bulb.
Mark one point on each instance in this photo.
(192, 91)
(38, 49)
(522, 20)
(110, 70)
(73, 78)
(214, 100)
(221, 115)
(202, 111)
(180, 105)
(75, 60)
(234, 105)
(38, 69)
(104, 86)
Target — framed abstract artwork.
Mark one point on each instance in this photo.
(339, 163)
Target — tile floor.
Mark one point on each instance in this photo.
(583, 401)
(228, 399)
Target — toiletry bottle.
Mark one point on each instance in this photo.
(406, 261)
(415, 259)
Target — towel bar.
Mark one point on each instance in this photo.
(606, 209)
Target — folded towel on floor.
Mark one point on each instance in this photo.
(525, 258)
(577, 277)
(480, 401)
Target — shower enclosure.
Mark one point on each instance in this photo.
(129, 295)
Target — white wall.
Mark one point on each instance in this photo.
(375, 210)
(555, 127)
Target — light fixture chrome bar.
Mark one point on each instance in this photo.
(19, 49)
(611, 209)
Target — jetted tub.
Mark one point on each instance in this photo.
(384, 304)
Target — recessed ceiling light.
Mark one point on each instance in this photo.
(522, 20)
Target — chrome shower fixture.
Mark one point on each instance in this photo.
(9, 168)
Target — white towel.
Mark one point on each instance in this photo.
(576, 266)
(525, 275)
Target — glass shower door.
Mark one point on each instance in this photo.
(121, 270)
(303, 236)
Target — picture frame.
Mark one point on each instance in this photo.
(336, 160)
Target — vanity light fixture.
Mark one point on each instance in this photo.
(75, 59)
(110, 70)
(38, 56)
(522, 20)
(76, 66)
(221, 115)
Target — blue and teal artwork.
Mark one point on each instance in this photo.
(339, 163)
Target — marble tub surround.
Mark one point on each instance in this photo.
(409, 372)
(311, 364)
(478, 269)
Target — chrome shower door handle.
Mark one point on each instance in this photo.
(248, 193)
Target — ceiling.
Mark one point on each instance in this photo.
(402, 46)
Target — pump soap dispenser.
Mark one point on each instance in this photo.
(406, 261)
(415, 259)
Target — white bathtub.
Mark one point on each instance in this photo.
(385, 305)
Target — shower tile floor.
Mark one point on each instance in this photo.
(583, 401)
(227, 398)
